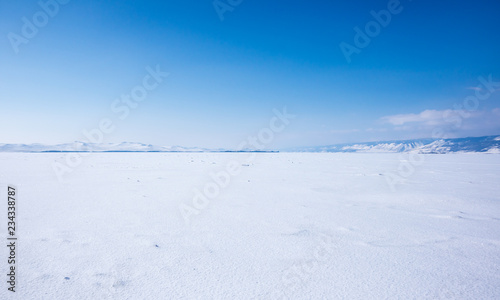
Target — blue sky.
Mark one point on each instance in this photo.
(226, 76)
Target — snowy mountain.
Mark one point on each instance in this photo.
(109, 147)
(89, 147)
(485, 144)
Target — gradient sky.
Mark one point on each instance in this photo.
(226, 76)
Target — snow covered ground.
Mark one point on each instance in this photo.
(289, 225)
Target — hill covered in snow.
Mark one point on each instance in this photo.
(485, 144)
(89, 147)
(108, 147)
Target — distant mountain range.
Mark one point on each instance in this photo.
(108, 147)
(485, 144)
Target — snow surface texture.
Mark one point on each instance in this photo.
(289, 225)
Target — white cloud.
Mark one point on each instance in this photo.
(474, 88)
(453, 122)
(427, 117)
(376, 129)
(343, 131)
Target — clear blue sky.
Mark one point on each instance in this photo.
(226, 77)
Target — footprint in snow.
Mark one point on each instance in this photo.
(119, 283)
(299, 233)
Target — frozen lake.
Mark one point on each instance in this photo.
(289, 225)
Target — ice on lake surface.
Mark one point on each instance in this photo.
(287, 225)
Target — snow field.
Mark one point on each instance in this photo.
(290, 225)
